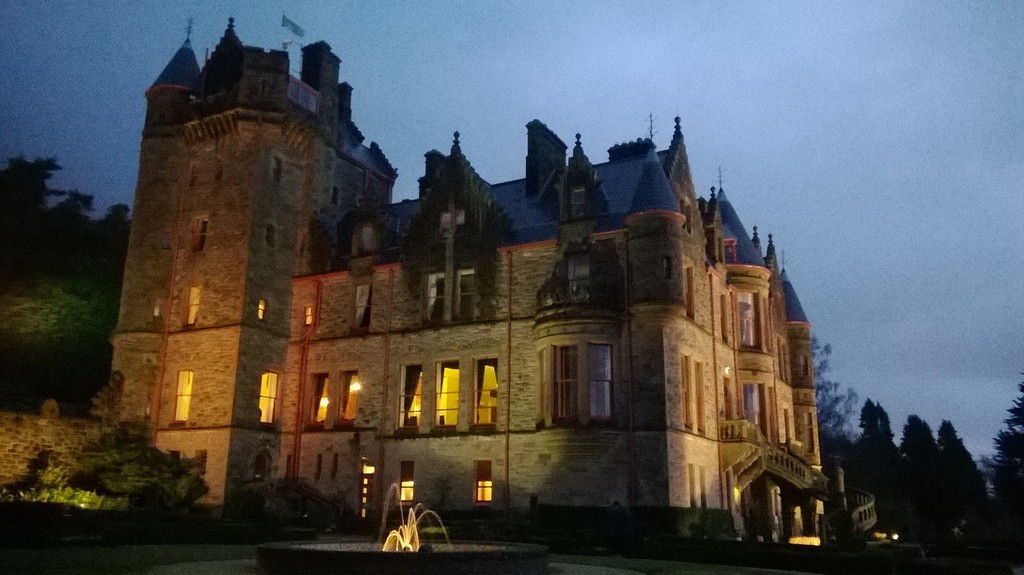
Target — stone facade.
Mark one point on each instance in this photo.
(590, 334)
(26, 436)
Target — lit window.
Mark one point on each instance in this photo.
(365, 488)
(599, 374)
(268, 396)
(448, 394)
(270, 236)
(350, 388)
(484, 483)
(411, 395)
(467, 294)
(435, 296)
(308, 315)
(566, 373)
(321, 397)
(577, 272)
(199, 230)
(158, 307)
(578, 202)
(183, 395)
(407, 483)
(747, 308)
(363, 297)
(486, 412)
(194, 295)
(261, 309)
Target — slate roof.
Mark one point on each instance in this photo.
(732, 228)
(182, 70)
(653, 191)
(794, 311)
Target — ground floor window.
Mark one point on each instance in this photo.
(599, 376)
(183, 395)
(566, 372)
(484, 483)
(407, 483)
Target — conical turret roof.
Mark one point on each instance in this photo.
(732, 227)
(182, 71)
(794, 311)
(653, 192)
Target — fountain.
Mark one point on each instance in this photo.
(401, 553)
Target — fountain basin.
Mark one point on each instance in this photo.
(365, 558)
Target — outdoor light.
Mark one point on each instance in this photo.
(324, 401)
(895, 536)
(355, 387)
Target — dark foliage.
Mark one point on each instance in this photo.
(125, 464)
(1008, 464)
(60, 280)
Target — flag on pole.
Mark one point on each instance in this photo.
(295, 28)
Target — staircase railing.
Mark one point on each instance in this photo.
(776, 459)
(862, 510)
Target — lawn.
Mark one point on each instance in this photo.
(138, 559)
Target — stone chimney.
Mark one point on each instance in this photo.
(545, 154)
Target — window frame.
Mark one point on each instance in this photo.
(483, 482)
(410, 405)
(183, 395)
(605, 384)
(351, 388)
(444, 394)
(565, 384)
(479, 389)
(269, 382)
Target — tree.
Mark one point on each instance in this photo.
(962, 484)
(124, 464)
(836, 406)
(922, 478)
(1008, 464)
(872, 465)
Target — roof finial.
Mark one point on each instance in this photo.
(456, 140)
(456, 149)
(578, 144)
(678, 129)
(755, 238)
(188, 29)
(650, 126)
(719, 177)
(231, 22)
(712, 192)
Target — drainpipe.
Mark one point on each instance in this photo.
(718, 413)
(508, 392)
(300, 401)
(156, 400)
(631, 485)
(379, 476)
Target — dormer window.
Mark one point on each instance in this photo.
(367, 239)
(578, 202)
(577, 271)
(450, 222)
(729, 246)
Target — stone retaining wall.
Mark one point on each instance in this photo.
(24, 436)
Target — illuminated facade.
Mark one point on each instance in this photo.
(589, 334)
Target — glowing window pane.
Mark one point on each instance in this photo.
(268, 396)
(350, 388)
(448, 394)
(486, 412)
(411, 403)
(183, 395)
(195, 293)
(321, 397)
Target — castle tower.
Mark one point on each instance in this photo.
(240, 178)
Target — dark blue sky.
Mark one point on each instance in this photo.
(882, 143)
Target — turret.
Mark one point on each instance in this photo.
(169, 95)
(654, 225)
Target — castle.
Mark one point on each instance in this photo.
(590, 334)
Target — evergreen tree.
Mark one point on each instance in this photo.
(921, 475)
(963, 487)
(873, 463)
(1008, 465)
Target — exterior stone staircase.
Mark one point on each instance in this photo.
(749, 453)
